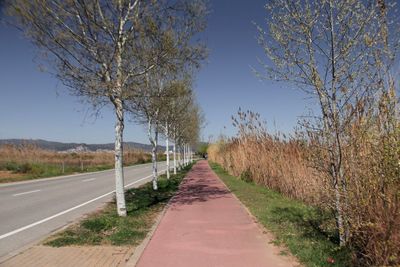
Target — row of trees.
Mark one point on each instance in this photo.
(168, 107)
(138, 56)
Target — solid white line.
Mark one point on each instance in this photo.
(66, 211)
(88, 180)
(72, 175)
(24, 193)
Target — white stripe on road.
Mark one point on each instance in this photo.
(88, 180)
(24, 193)
(66, 211)
(72, 175)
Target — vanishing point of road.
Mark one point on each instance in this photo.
(31, 210)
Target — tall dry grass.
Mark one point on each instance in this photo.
(290, 165)
(30, 154)
(269, 161)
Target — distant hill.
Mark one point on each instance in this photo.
(59, 146)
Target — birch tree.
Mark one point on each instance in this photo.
(145, 109)
(153, 108)
(93, 46)
(96, 48)
(179, 98)
(328, 49)
(187, 132)
(179, 54)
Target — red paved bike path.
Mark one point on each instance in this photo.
(205, 225)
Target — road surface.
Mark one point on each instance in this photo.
(31, 210)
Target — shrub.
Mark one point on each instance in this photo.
(246, 176)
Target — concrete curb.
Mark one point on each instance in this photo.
(138, 251)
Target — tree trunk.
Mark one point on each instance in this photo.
(154, 159)
(187, 155)
(153, 143)
(119, 171)
(339, 215)
(184, 155)
(180, 157)
(336, 155)
(174, 157)
(167, 149)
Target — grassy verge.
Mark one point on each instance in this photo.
(107, 228)
(14, 172)
(294, 224)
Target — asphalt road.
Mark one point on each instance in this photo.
(31, 210)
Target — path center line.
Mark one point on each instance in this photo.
(25, 193)
(88, 180)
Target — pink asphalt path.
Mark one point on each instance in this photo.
(205, 225)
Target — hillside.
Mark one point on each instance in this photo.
(59, 146)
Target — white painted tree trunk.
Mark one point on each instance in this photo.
(154, 156)
(153, 143)
(184, 155)
(187, 155)
(180, 156)
(174, 149)
(119, 170)
(154, 161)
(167, 149)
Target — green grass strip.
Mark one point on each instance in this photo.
(107, 228)
(301, 228)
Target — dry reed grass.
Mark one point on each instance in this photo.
(30, 154)
(288, 165)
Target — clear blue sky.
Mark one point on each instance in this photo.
(33, 104)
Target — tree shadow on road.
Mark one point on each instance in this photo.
(198, 190)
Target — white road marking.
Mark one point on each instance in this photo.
(88, 180)
(25, 193)
(71, 176)
(68, 210)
